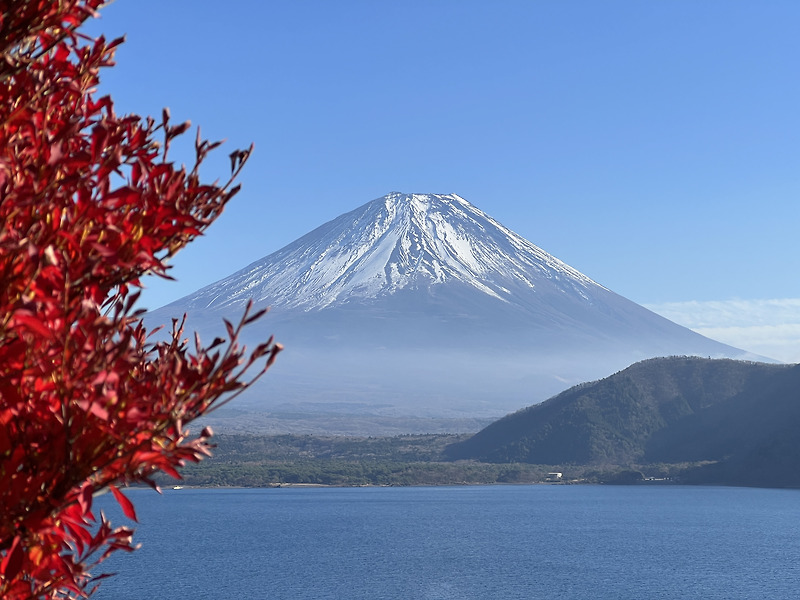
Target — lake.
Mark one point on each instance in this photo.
(483, 542)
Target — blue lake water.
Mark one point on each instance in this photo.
(492, 542)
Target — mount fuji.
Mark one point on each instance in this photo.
(422, 306)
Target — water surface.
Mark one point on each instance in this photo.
(500, 542)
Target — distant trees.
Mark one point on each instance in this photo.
(258, 461)
(89, 203)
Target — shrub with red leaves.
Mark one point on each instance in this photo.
(88, 400)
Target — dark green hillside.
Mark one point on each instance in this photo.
(665, 410)
(755, 437)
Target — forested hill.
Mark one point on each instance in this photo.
(741, 416)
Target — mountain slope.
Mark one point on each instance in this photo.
(398, 242)
(421, 304)
(665, 410)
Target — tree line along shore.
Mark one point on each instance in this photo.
(404, 460)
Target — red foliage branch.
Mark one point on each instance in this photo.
(89, 203)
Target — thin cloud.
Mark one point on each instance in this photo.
(767, 327)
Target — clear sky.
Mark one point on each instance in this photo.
(653, 146)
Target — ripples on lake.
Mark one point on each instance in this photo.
(493, 542)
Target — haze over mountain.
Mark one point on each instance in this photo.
(423, 305)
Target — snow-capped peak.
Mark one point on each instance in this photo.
(397, 242)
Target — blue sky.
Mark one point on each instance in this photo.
(654, 146)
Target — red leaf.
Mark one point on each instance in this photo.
(27, 319)
(125, 504)
(12, 563)
(85, 498)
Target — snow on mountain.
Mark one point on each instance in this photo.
(423, 305)
(400, 241)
